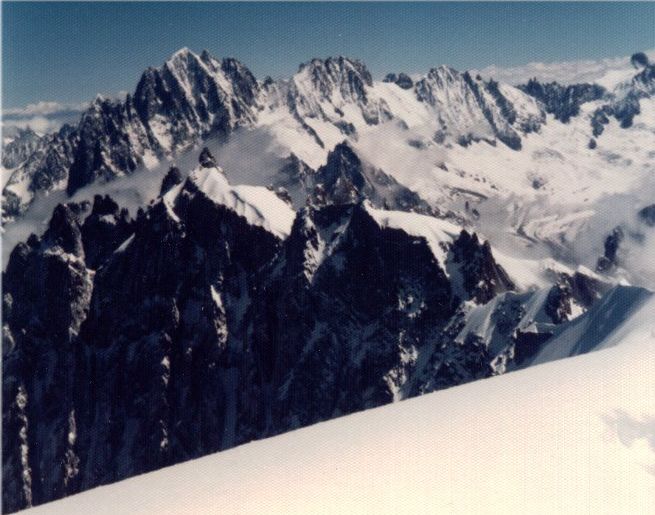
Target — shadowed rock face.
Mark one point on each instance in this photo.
(172, 178)
(401, 80)
(481, 277)
(104, 230)
(346, 179)
(133, 344)
(47, 290)
(609, 258)
(332, 326)
(647, 215)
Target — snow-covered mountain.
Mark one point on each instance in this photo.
(24, 143)
(462, 144)
(567, 436)
(194, 97)
(217, 259)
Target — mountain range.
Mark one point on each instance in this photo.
(389, 239)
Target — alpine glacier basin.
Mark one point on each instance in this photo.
(569, 436)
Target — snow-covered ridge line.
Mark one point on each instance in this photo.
(192, 97)
(438, 233)
(258, 205)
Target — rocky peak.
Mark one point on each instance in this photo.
(46, 293)
(104, 149)
(470, 109)
(51, 267)
(443, 74)
(337, 273)
(342, 171)
(172, 178)
(349, 78)
(624, 103)
(346, 179)
(104, 230)
(206, 159)
(639, 60)
(243, 82)
(337, 69)
(402, 80)
(64, 229)
(43, 169)
(472, 264)
(19, 149)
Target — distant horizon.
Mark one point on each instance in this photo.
(69, 52)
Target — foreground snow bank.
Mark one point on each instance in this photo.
(571, 436)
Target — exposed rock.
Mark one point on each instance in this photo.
(46, 293)
(172, 178)
(612, 242)
(346, 179)
(402, 80)
(206, 159)
(639, 60)
(104, 230)
(563, 101)
(647, 215)
(19, 149)
(472, 263)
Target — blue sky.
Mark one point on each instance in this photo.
(68, 52)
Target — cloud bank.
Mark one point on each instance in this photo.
(42, 117)
(606, 72)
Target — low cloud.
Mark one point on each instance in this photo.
(42, 117)
(605, 71)
(46, 117)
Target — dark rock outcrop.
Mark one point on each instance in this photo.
(46, 294)
(647, 215)
(563, 101)
(206, 159)
(21, 147)
(191, 330)
(609, 258)
(172, 178)
(478, 274)
(402, 80)
(346, 179)
(104, 230)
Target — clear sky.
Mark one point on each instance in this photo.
(68, 52)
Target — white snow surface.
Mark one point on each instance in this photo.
(571, 436)
(436, 232)
(258, 205)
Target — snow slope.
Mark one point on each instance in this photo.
(256, 204)
(571, 436)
